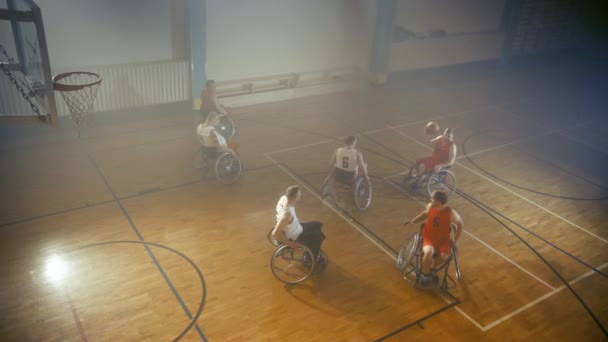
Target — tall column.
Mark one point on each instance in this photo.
(197, 14)
(382, 40)
(509, 25)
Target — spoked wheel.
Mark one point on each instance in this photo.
(362, 193)
(444, 180)
(408, 251)
(228, 168)
(327, 183)
(455, 258)
(226, 126)
(292, 265)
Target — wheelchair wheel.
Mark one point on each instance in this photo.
(327, 183)
(228, 168)
(444, 180)
(271, 239)
(226, 126)
(455, 258)
(292, 265)
(362, 193)
(408, 251)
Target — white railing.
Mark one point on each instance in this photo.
(286, 81)
(138, 84)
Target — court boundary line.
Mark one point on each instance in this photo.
(510, 191)
(75, 316)
(416, 322)
(542, 298)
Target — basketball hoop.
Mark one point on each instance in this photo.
(79, 90)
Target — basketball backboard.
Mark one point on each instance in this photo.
(25, 73)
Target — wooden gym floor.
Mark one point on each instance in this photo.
(534, 127)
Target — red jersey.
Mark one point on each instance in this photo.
(441, 152)
(209, 100)
(437, 226)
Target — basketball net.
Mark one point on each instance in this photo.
(79, 91)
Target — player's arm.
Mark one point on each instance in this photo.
(420, 217)
(457, 220)
(218, 141)
(215, 107)
(221, 108)
(436, 138)
(332, 161)
(278, 233)
(214, 139)
(451, 160)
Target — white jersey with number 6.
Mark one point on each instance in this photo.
(346, 159)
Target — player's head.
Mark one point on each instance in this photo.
(211, 84)
(212, 119)
(350, 141)
(449, 133)
(293, 193)
(439, 199)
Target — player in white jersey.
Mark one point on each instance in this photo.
(212, 141)
(289, 230)
(347, 163)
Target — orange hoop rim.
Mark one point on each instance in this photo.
(58, 86)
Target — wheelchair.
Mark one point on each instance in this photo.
(361, 187)
(409, 262)
(293, 266)
(442, 180)
(226, 166)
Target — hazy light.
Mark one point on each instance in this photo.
(56, 269)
